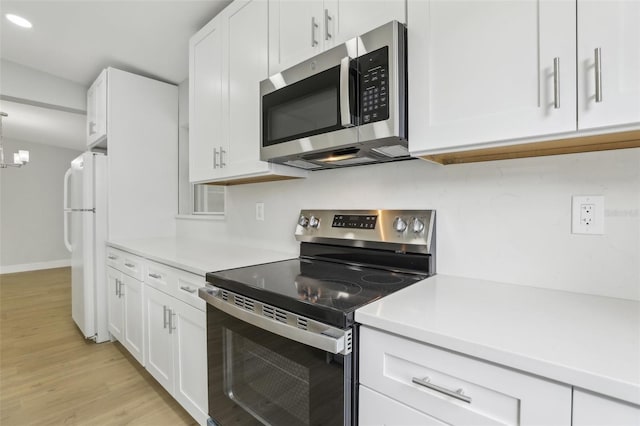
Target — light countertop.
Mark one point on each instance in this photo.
(199, 256)
(586, 341)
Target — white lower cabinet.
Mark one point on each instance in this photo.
(381, 410)
(432, 386)
(176, 341)
(590, 409)
(126, 322)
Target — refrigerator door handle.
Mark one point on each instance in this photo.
(65, 201)
(66, 212)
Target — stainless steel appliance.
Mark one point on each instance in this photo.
(85, 234)
(281, 339)
(343, 107)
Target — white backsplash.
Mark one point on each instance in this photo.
(506, 221)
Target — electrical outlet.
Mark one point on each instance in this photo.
(587, 214)
(259, 211)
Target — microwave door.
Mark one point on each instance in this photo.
(311, 107)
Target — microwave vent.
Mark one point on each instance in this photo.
(392, 151)
(352, 161)
(302, 164)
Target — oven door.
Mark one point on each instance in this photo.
(256, 376)
(311, 106)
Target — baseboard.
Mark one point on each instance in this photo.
(10, 269)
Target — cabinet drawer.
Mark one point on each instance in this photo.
(457, 389)
(187, 289)
(160, 277)
(126, 263)
(175, 282)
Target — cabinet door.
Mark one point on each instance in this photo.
(133, 317)
(377, 409)
(97, 109)
(247, 33)
(483, 71)
(190, 359)
(346, 19)
(613, 29)
(116, 314)
(157, 308)
(206, 93)
(296, 32)
(590, 409)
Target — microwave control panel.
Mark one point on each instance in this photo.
(374, 84)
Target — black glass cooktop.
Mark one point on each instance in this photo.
(324, 291)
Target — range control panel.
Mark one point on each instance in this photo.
(354, 221)
(374, 86)
(405, 230)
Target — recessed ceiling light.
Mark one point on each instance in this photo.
(18, 20)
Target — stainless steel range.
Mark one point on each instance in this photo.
(281, 339)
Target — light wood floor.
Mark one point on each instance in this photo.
(49, 375)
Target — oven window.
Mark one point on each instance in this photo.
(259, 377)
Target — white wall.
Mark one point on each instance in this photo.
(31, 208)
(505, 221)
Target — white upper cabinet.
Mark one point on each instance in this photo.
(301, 29)
(206, 84)
(228, 59)
(608, 63)
(484, 71)
(97, 110)
(296, 31)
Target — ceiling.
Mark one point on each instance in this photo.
(76, 39)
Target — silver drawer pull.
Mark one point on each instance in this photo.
(188, 289)
(457, 394)
(112, 257)
(129, 265)
(156, 276)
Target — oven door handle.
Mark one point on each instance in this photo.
(336, 344)
(345, 103)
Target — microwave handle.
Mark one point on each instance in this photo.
(345, 104)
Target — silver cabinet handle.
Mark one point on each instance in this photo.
(92, 125)
(215, 158)
(598, 72)
(112, 257)
(156, 276)
(129, 265)
(327, 18)
(314, 42)
(164, 315)
(457, 394)
(117, 287)
(171, 324)
(556, 83)
(222, 152)
(188, 289)
(345, 105)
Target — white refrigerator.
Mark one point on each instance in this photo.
(85, 234)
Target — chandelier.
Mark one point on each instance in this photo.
(20, 158)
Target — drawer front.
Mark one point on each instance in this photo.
(114, 257)
(187, 289)
(457, 389)
(126, 263)
(133, 266)
(160, 277)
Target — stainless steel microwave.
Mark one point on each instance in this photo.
(346, 106)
